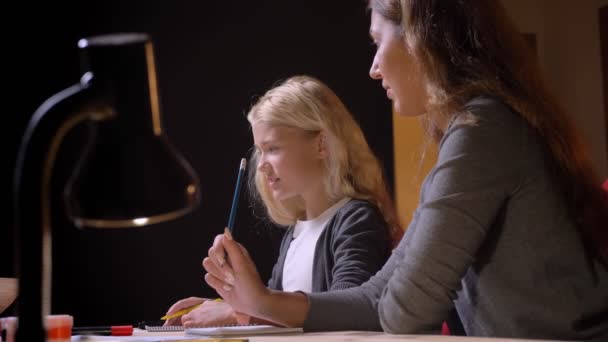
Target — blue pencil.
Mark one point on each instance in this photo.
(235, 198)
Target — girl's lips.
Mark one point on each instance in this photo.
(272, 182)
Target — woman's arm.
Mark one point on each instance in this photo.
(354, 308)
(237, 281)
(358, 247)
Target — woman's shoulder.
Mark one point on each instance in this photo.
(487, 112)
(486, 124)
(484, 109)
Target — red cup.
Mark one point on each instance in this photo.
(58, 328)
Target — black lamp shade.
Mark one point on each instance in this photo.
(138, 181)
(130, 174)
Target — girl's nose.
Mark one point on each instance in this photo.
(262, 165)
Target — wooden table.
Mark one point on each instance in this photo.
(340, 336)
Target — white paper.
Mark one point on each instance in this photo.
(242, 330)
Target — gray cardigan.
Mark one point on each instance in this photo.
(354, 245)
(492, 237)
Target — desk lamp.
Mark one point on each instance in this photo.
(129, 174)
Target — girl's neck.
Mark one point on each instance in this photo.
(315, 203)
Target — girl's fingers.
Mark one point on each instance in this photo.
(186, 322)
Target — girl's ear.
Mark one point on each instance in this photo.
(322, 148)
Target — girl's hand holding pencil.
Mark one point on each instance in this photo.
(188, 307)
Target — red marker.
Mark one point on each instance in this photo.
(114, 330)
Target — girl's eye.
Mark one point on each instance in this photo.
(272, 149)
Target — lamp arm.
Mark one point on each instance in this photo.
(35, 160)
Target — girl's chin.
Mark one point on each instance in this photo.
(280, 196)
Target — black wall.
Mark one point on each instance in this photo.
(213, 57)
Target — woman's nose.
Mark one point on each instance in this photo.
(374, 70)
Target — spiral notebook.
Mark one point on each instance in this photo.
(162, 328)
(228, 330)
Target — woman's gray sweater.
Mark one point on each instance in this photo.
(491, 236)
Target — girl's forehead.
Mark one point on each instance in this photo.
(273, 128)
(267, 131)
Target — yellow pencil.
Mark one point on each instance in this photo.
(186, 310)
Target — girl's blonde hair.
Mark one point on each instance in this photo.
(352, 170)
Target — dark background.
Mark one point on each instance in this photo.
(213, 58)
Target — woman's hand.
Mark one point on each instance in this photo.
(180, 305)
(232, 273)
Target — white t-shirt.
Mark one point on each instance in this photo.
(297, 270)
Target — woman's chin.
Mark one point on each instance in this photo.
(404, 112)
